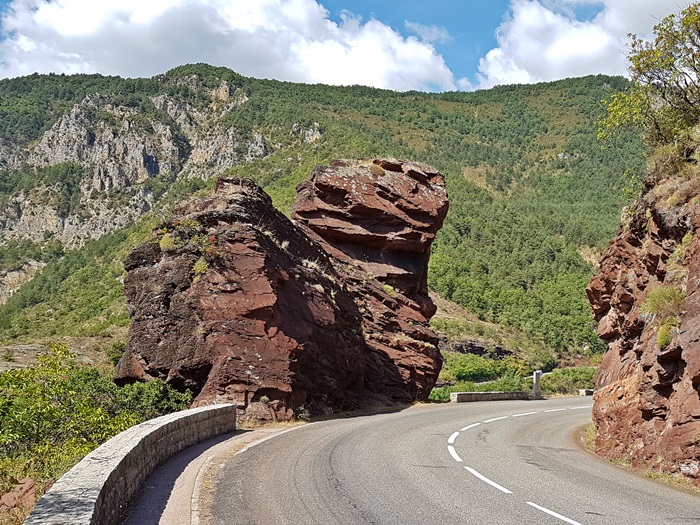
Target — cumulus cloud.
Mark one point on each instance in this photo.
(542, 40)
(429, 33)
(284, 39)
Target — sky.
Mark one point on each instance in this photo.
(434, 45)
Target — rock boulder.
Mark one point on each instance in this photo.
(235, 302)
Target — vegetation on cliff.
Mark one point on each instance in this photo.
(534, 198)
(55, 412)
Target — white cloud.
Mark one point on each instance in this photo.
(431, 33)
(541, 40)
(283, 39)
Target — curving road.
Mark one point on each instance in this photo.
(504, 463)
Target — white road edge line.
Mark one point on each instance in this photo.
(495, 419)
(453, 453)
(487, 480)
(555, 410)
(469, 426)
(525, 414)
(578, 408)
(451, 441)
(552, 513)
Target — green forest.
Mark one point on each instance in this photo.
(534, 198)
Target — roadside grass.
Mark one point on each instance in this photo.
(676, 480)
(13, 517)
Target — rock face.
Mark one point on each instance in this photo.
(646, 299)
(123, 151)
(237, 303)
(12, 280)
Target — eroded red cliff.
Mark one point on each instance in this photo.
(330, 312)
(646, 299)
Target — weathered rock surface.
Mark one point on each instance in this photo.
(13, 279)
(21, 497)
(236, 302)
(647, 402)
(121, 149)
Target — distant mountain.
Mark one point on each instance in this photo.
(89, 164)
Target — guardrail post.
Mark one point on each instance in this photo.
(536, 391)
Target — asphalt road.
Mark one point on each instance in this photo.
(512, 462)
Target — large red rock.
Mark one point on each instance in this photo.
(647, 402)
(237, 303)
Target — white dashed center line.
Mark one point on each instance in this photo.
(451, 449)
(487, 480)
(453, 453)
(552, 513)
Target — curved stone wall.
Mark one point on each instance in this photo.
(95, 491)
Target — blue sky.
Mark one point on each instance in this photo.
(471, 24)
(396, 44)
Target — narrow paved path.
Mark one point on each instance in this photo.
(473, 463)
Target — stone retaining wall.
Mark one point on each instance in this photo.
(95, 491)
(463, 397)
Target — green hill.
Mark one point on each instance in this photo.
(533, 196)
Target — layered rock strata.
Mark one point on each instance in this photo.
(237, 303)
(646, 299)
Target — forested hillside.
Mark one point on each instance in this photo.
(533, 196)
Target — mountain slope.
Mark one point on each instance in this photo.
(83, 157)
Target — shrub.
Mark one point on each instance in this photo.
(509, 382)
(469, 367)
(167, 242)
(568, 380)
(201, 266)
(115, 352)
(54, 413)
(663, 301)
(663, 336)
(390, 290)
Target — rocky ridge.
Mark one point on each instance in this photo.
(324, 313)
(120, 148)
(646, 299)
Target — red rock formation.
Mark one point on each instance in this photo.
(647, 402)
(22, 497)
(237, 303)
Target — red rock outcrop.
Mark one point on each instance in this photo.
(647, 402)
(21, 498)
(237, 303)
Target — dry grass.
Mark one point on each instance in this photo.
(13, 517)
(477, 176)
(587, 435)
(253, 424)
(675, 480)
(590, 254)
